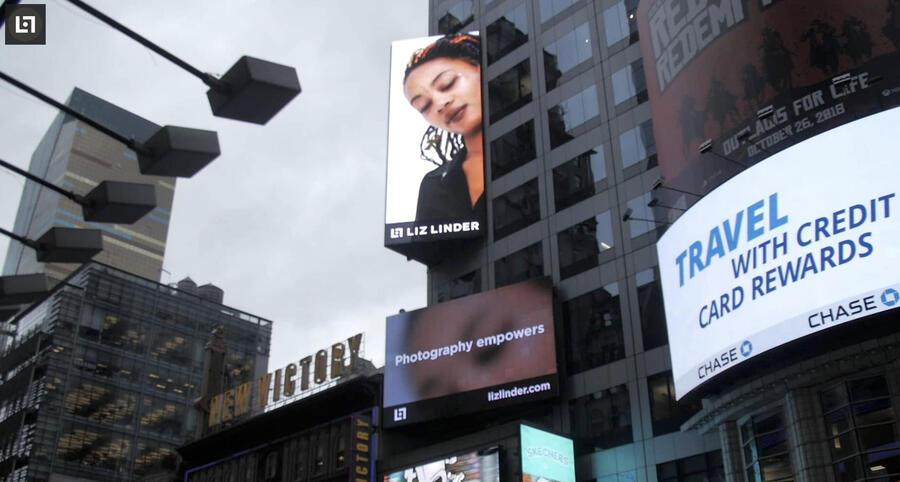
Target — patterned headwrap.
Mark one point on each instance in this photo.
(457, 46)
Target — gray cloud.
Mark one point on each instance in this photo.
(288, 221)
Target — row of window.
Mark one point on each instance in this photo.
(602, 419)
(512, 29)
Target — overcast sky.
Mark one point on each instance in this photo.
(289, 219)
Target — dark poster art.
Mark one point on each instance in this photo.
(712, 65)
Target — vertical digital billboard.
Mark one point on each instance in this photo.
(546, 457)
(757, 76)
(483, 351)
(435, 162)
(479, 466)
(803, 241)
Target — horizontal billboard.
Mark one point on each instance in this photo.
(480, 466)
(479, 352)
(435, 162)
(799, 243)
(712, 65)
(546, 457)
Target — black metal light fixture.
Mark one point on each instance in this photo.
(628, 217)
(109, 202)
(23, 289)
(707, 146)
(171, 151)
(252, 90)
(654, 203)
(63, 245)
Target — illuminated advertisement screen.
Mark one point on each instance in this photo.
(480, 466)
(799, 243)
(546, 457)
(711, 66)
(479, 352)
(435, 178)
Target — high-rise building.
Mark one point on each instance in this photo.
(569, 148)
(77, 157)
(101, 380)
(575, 192)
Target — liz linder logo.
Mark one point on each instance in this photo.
(26, 24)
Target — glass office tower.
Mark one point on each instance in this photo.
(77, 157)
(102, 376)
(569, 150)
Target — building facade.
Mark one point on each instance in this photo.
(102, 377)
(574, 187)
(569, 148)
(77, 157)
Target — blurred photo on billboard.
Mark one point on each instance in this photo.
(478, 352)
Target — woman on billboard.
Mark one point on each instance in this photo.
(443, 83)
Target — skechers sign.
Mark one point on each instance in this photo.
(801, 242)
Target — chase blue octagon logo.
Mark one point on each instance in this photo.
(746, 348)
(890, 297)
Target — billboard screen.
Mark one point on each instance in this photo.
(480, 466)
(479, 352)
(799, 243)
(713, 64)
(435, 161)
(546, 457)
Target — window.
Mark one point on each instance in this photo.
(516, 209)
(571, 113)
(642, 218)
(628, 83)
(100, 403)
(510, 90)
(121, 332)
(513, 149)
(583, 245)
(667, 414)
(162, 417)
(550, 8)
(465, 285)
(765, 448)
(577, 178)
(506, 33)
(154, 457)
(638, 144)
(457, 16)
(650, 305)
(593, 324)
(522, 265)
(861, 427)
(567, 52)
(704, 467)
(602, 419)
(619, 21)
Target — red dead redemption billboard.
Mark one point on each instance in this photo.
(713, 64)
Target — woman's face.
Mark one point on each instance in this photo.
(447, 92)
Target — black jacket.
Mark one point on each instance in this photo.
(444, 195)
